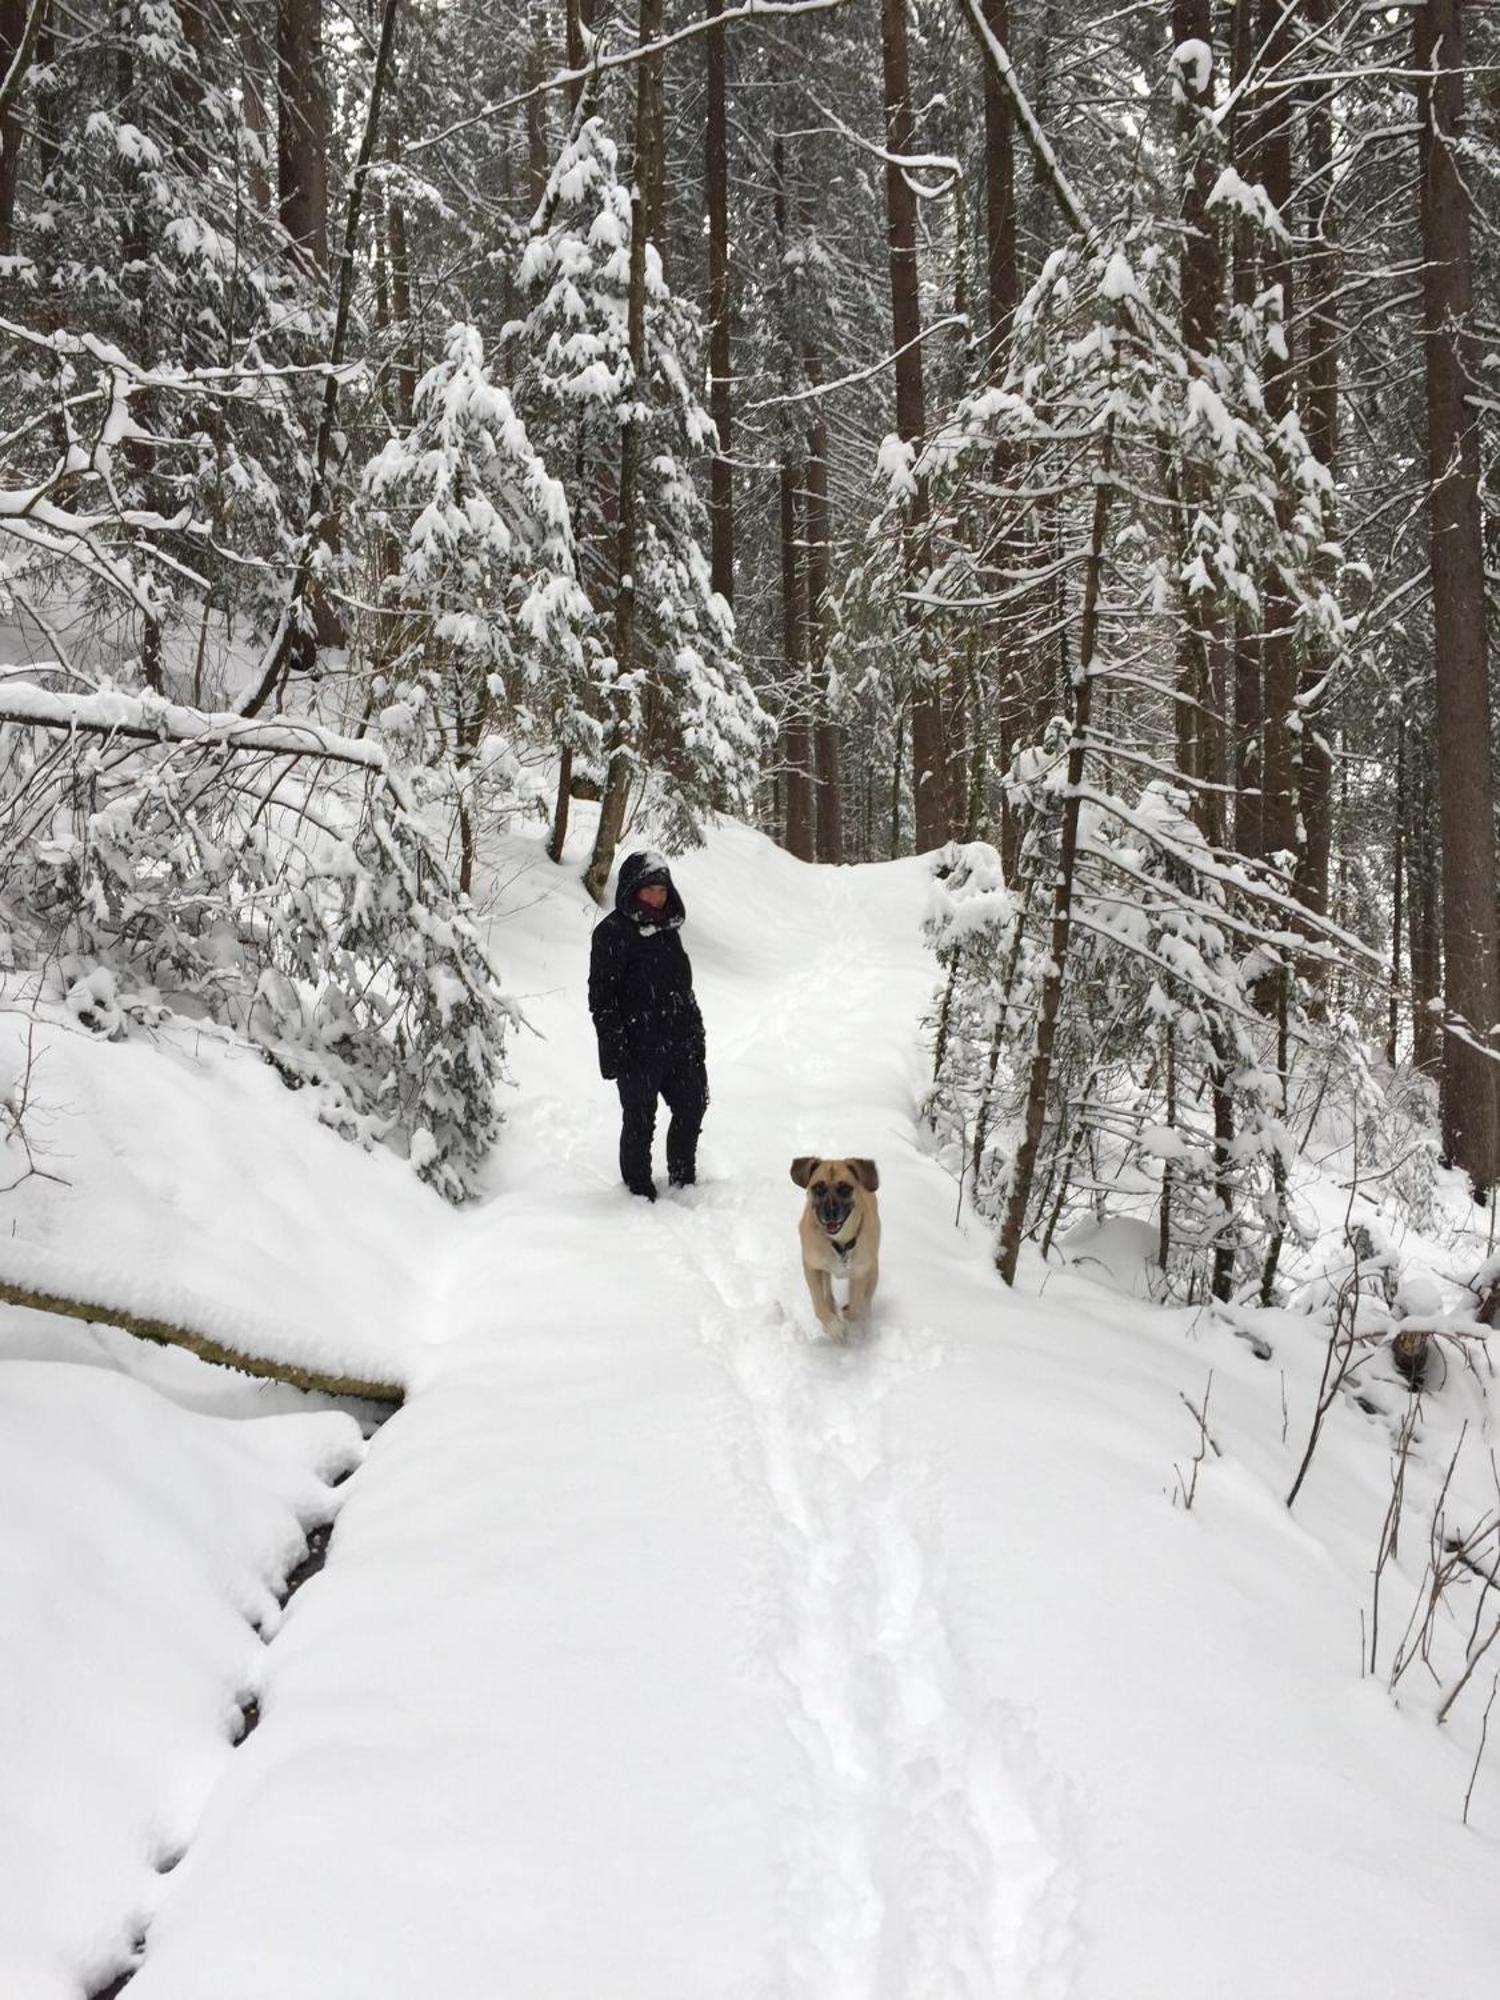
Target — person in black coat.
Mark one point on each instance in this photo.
(650, 1031)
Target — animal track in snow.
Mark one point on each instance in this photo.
(915, 1868)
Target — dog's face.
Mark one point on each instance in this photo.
(834, 1188)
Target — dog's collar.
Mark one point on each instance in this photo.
(844, 1249)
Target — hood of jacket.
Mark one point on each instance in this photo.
(636, 870)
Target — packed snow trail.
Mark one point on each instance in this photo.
(631, 1670)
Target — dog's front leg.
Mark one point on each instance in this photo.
(861, 1292)
(820, 1285)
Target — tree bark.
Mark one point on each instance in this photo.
(1011, 673)
(1321, 425)
(295, 646)
(1398, 898)
(538, 145)
(931, 777)
(1280, 830)
(799, 835)
(406, 369)
(720, 383)
(1424, 921)
(1249, 703)
(1013, 1226)
(302, 126)
(1466, 800)
(828, 796)
(648, 142)
(20, 26)
(1200, 730)
(255, 86)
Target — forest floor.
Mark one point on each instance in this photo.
(665, 1649)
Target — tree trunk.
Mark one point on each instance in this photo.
(577, 16)
(538, 146)
(648, 154)
(1280, 830)
(302, 126)
(1249, 704)
(295, 646)
(406, 369)
(828, 795)
(1200, 733)
(1321, 424)
(1013, 1226)
(798, 836)
(20, 26)
(1398, 889)
(931, 777)
(255, 91)
(720, 383)
(1010, 671)
(1423, 920)
(1466, 800)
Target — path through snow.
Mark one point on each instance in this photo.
(632, 1670)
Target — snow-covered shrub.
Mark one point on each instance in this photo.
(1165, 1091)
(295, 894)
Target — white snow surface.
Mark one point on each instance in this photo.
(140, 1553)
(667, 1650)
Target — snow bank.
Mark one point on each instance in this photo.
(181, 1180)
(140, 1549)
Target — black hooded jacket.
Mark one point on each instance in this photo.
(640, 981)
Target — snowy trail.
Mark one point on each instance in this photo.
(915, 1867)
(676, 1711)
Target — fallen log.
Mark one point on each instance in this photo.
(165, 1334)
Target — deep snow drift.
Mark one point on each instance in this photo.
(665, 1650)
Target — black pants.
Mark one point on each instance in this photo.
(684, 1087)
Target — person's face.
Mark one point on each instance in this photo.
(653, 895)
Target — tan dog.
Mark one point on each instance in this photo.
(840, 1232)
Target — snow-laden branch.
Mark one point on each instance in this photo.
(906, 163)
(148, 718)
(20, 62)
(1305, 926)
(822, 389)
(1048, 166)
(751, 10)
(167, 376)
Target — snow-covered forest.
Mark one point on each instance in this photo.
(1006, 498)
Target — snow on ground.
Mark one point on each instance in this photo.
(140, 1555)
(667, 1649)
(180, 1179)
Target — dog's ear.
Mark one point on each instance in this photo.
(802, 1170)
(865, 1171)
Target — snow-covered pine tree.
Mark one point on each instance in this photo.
(135, 222)
(490, 616)
(1193, 493)
(680, 709)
